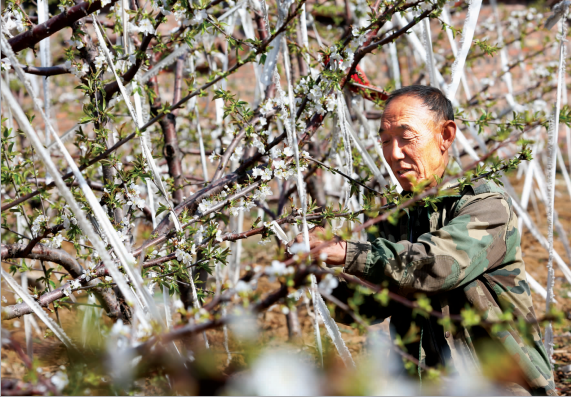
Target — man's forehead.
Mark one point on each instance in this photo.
(394, 125)
(403, 112)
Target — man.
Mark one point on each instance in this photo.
(464, 255)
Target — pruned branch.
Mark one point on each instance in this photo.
(33, 36)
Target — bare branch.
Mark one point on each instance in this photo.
(33, 36)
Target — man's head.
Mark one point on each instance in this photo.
(417, 129)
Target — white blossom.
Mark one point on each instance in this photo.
(36, 225)
(60, 380)
(198, 17)
(262, 193)
(330, 103)
(315, 93)
(238, 152)
(275, 152)
(267, 107)
(258, 145)
(120, 329)
(206, 204)
(297, 248)
(279, 164)
(146, 27)
(328, 283)
(243, 287)
(266, 173)
(100, 60)
(14, 21)
(132, 193)
(183, 256)
(278, 269)
(6, 65)
(348, 60)
(75, 284)
(55, 242)
(234, 211)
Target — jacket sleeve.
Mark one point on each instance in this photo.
(463, 249)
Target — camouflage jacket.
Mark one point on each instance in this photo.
(466, 254)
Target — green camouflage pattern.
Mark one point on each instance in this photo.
(466, 254)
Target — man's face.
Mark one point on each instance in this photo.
(415, 142)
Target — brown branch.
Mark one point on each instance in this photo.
(45, 71)
(113, 87)
(105, 296)
(178, 77)
(43, 253)
(228, 153)
(40, 252)
(33, 36)
(171, 150)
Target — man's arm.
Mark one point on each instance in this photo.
(456, 254)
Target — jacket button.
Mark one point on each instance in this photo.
(447, 334)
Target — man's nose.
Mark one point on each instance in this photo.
(393, 151)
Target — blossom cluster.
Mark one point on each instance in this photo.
(145, 27)
(68, 220)
(39, 223)
(74, 285)
(181, 16)
(266, 173)
(258, 143)
(13, 22)
(206, 204)
(184, 250)
(124, 232)
(278, 269)
(319, 101)
(523, 19)
(185, 257)
(54, 242)
(328, 283)
(131, 196)
(78, 69)
(122, 332)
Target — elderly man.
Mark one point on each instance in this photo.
(464, 255)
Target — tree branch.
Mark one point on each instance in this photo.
(33, 36)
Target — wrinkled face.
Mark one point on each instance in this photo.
(415, 142)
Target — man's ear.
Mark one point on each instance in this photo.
(448, 133)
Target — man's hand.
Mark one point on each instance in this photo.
(335, 252)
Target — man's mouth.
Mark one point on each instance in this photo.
(403, 172)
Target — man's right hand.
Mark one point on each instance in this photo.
(335, 252)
